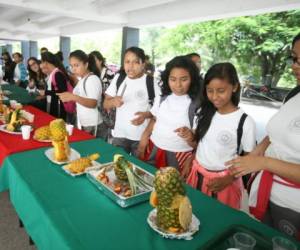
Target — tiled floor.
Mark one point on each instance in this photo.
(12, 237)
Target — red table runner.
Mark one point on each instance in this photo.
(10, 143)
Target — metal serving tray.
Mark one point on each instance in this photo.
(141, 195)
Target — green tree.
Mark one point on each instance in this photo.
(257, 45)
(149, 41)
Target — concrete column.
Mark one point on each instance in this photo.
(1, 61)
(25, 50)
(65, 47)
(33, 49)
(130, 37)
(8, 48)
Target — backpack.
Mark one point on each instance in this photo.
(246, 177)
(149, 84)
(194, 105)
(109, 118)
(70, 107)
(292, 93)
(240, 133)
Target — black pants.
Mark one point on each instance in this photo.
(283, 219)
(129, 146)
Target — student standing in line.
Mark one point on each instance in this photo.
(20, 73)
(173, 112)
(131, 93)
(58, 82)
(37, 81)
(106, 76)
(218, 138)
(87, 93)
(8, 68)
(275, 192)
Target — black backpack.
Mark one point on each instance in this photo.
(111, 119)
(246, 177)
(149, 84)
(194, 105)
(292, 93)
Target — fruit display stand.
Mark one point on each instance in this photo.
(63, 212)
(10, 143)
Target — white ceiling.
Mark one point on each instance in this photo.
(36, 19)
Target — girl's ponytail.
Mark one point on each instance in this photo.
(92, 66)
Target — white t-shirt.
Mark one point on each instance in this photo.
(49, 85)
(135, 99)
(171, 113)
(220, 142)
(284, 133)
(93, 90)
(17, 73)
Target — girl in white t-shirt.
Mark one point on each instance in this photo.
(275, 192)
(216, 134)
(129, 93)
(173, 112)
(87, 93)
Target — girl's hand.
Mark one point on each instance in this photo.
(185, 133)
(39, 97)
(219, 183)
(31, 84)
(260, 149)
(118, 101)
(187, 166)
(142, 147)
(139, 118)
(246, 164)
(66, 96)
(42, 92)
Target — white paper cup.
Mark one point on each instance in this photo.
(69, 128)
(13, 103)
(25, 129)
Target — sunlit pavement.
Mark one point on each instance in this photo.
(261, 112)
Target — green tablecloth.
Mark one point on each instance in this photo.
(19, 94)
(62, 212)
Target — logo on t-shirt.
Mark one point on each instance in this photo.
(225, 138)
(140, 95)
(294, 125)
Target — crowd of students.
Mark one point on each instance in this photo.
(182, 119)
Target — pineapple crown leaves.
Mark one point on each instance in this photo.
(14, 113)
(135, 181)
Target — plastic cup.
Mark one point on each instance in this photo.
(281, 243)
(69, 128)
(244, 241)
(25, 129)
(13, 103)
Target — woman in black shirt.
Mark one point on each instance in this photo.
(8, 67)
(56, 83)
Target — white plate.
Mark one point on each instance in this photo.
(74, 155)
(193, 228)
(41, 140)
(94, 164)
(4, 98)
(7, 92)
(3, 129)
